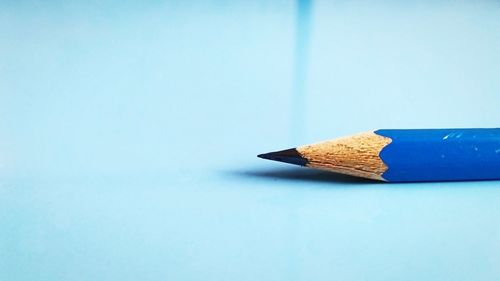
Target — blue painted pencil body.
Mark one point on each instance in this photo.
(441, 154)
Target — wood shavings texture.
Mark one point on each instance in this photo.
(356, 155)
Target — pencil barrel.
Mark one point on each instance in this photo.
(441, 154)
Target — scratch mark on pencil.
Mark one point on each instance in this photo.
(453, 135)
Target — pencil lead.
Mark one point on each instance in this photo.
(291, 156)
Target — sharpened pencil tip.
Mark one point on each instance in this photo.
(291, 156)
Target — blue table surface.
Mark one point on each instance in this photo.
(129, 130)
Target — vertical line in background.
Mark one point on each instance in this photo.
(293, 226)
(302, 34)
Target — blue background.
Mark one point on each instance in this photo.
(128, 135)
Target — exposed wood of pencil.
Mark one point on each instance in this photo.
(356, 155)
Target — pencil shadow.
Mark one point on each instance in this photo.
(301, 174)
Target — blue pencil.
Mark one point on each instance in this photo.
(404, 155)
